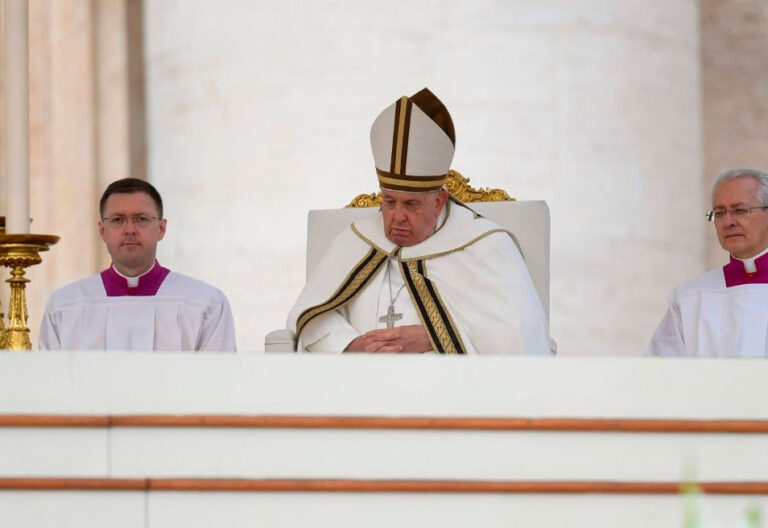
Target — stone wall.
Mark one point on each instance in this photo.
(734, 58)
(619, 114)
(259, 112)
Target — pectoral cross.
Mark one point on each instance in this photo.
(391, 317)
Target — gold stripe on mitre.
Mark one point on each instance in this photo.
(400, 140)
(404, 182)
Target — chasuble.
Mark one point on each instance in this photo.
(467, 284)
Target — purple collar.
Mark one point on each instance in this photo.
(149, 283)
(735, 275)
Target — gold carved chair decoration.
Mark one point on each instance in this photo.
(456, 184)
(527, 219)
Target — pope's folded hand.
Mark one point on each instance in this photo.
(404, 339)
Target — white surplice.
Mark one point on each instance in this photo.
(707, 319)
(185, 314)
(474, 265)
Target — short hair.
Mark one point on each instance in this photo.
(736, 174)
(128, 186)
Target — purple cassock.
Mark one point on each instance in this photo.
(117, 286)
(159, 310)
(721, 313)
(736, 274)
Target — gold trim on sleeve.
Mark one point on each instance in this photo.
(352, 285)
(370, 243)
(465, 246)
(434, 315)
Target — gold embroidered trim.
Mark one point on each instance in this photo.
(370, 243)
(435, 178)
(459, 248)
(396, 248)
(435, 317)
(402, 122)
(443, 253)
(352, 284)
(410, 184)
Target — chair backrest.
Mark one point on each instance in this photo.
(527, 220)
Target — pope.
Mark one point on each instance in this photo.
(426, 273)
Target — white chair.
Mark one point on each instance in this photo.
(527, 220)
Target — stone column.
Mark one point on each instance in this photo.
(80, 132)
(2, 105)
(4, 291)
(592, 105)
(62, 144)
(119, 90)
(734, 72)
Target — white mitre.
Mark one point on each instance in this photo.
(413, 141)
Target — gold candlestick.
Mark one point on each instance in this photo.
(19, 252)
(2, 315)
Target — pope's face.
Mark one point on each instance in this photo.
(132, 247)
(409, 218)
(746, 236)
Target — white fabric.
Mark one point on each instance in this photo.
(706, 319)
(527, 219)
(485, 286)
(402, 304)
(393, 287)
(186, 314)
(430, 150)
(132, 281)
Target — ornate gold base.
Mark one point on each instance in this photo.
(2, 315)
(19, 252)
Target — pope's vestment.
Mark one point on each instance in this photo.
(168, 311)
(467, 283)
(722, 313)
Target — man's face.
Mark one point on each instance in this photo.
(131, 247)
(746, 236)
(409, 218)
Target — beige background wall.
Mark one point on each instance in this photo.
(259, 112)
(4, 292)
(86, 129)
(734, 56)
(246, 115)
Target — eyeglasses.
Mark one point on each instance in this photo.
(736, 212)
(140, 221)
